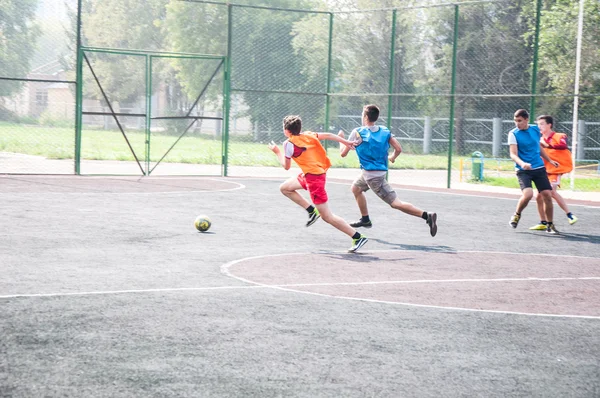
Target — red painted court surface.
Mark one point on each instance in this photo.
(504, 282)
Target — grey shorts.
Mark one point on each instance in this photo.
(379, 185)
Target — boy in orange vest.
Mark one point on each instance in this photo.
(308, 153)
(555, 145)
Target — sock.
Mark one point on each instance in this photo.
(544, 222)
(518, 214)
(424, 216)
(570, 215)
(365, 218)
(356, 235)
(310, 209)
(549, 223)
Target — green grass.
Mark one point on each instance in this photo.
(59, 143)
(581, 184)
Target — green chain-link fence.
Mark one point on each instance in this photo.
(200, 87)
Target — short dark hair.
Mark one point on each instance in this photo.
(547, 118)
(372, 112)
(522, 113)
(293, 124)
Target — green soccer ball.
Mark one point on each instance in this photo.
(202, 223)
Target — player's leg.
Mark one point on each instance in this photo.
(358, 240)
(542, 225)
(383, 189)
(542, 183)
(560, 200)
(526, 194)
(335, 221)
(290, 189)
(359, 187)
(318, 194)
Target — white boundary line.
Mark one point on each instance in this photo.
(256, 285)
(225, 269)
(288, 287)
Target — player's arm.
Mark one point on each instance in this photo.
(561, 144)
(546, 157)
(343, 148)
(514, 155)
(334, 137)
(397, 149)
(285, 162)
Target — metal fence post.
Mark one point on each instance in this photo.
(536, 44)
(329, 56)
(496, 136)
(227, 93)
(148, 109)
(581, 139)
(78, 94)
(452, 93)
(391, 82)
(427, 135)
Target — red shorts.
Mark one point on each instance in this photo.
(315, 185)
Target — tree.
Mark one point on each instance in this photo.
(18, 34)
(558, 36)
(263, 61)
(129, 25)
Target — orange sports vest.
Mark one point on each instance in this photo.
(314, 159)
(562, 156)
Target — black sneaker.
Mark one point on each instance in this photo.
(313, 217)
(361, 223)
(432, 222)
(358, 243)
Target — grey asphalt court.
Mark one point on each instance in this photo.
(107, 290)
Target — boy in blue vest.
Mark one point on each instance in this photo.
(527, 153)
(374, 143)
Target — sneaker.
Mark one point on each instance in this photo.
(572, 219)
(358, 243)
(361, 223)
(551, 229)
(514, 220)
(539, 227)
(313, 217)
(432, 222)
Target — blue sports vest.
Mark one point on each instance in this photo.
(373, 151)
(528, 145)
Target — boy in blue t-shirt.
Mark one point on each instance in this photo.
(527, 153)
(374, 143)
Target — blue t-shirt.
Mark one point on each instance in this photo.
(528, 145)
(373, 150)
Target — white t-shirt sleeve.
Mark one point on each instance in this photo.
(288, 149)
(353, 135)
(512, 140)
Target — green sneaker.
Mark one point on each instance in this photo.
(313, 217)
(358, 243)
(572, 219)
(539, 227)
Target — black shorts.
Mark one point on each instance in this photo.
(538, 176)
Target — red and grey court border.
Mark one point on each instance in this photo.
(502, 282)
